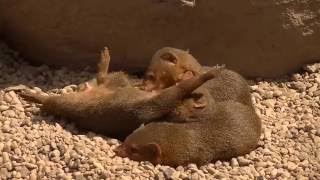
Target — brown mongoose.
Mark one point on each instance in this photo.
(117, 112)
(170, 65)
(108, 80)
(217, 131)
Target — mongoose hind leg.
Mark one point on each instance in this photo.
(102, 73)
(103, 67)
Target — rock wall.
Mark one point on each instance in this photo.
(254, 37)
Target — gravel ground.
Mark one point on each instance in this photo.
(34, 146)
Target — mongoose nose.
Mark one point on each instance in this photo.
(120, 151)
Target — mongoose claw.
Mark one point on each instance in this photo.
(222, 66)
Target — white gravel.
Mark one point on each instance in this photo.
(34, 146)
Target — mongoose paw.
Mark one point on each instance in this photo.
(222, 66)
(186, 75)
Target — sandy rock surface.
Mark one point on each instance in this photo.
(37, 146)
(265, 38)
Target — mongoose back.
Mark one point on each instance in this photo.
(216, 131)
(170, 65)
(119, 110)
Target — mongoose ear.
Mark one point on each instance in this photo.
(200, 101)
(167, 56)
(155, 151)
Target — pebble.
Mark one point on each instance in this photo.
(291, 166)
(3, 107)
(234, 162)
(5, 157)
(300, 86)
(269, 103)
(243, 162)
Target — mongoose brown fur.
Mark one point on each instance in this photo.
(170, 65)
(108, 80)
(216, 131)
(117, 111)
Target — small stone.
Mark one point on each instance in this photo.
(277, 93)
(299, 86)
(261, 164)
(24, 171)
(195, 176)
(7, 98)
(98, 165)
(19, 107)
(15, 99)
(234, 162)
(274, 173)
(220, 175)
(3, 107)
(113, 142)
(136, 171)
(37, 89)
(168, 173)
(3, 173)
(5, 157)
(183, 175)
(211, 170)
(16, 88)
(9, 113)
(193, 167)
(6, 128)
(33, 176)
(316, 93)
(312, 68)
(55, 153)
(291, 166)
(160, 176)
(30, 165)
(269, 103)
(8, 165)
(313, 88)
(243, 162)
(267, 134)
(318, 132)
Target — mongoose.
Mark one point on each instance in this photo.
(108, 80)
(117, 111)
(217, 131)
(170, 65)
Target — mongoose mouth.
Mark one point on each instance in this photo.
(186, 75)
(121, 151)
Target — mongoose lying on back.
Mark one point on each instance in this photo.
(116, 110)
(216, 131)
(111, 80)
(171, 65)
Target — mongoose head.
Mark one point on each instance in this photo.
(139, 152)
(168, 66)
(196, 107)
(153, 142)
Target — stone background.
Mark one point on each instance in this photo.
(254, 37)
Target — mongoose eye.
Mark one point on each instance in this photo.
(133, 149)
(150, 77)
(199, 101)
(169, 57)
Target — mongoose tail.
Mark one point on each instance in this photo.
(34, 97)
